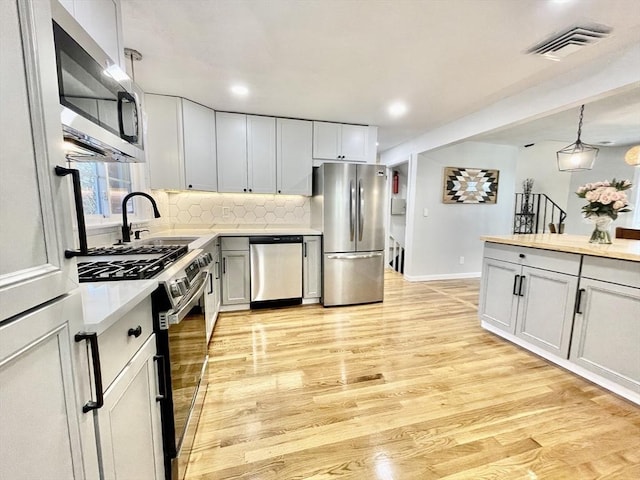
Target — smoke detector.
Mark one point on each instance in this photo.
(570, 40)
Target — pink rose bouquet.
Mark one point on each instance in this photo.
(605, 198)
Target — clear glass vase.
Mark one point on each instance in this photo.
(602, 231)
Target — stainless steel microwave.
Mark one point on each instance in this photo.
(100, 113)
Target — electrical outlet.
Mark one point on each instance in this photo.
(461, 260)
(225, 212)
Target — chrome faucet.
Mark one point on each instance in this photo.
(126, 228)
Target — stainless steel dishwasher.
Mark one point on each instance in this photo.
(276, 270)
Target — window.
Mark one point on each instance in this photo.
(104, 185)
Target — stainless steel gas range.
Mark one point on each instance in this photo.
(179, 324)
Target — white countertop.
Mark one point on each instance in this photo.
(106, 302)
(103, 303)
(621, 249)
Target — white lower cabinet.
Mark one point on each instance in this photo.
(130, 440)
(606, 336)
(236, 273)
(236, 278)
(212, 297)
(43, 432)
(312, 266)
(535, 304)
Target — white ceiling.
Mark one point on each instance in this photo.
(347, 60)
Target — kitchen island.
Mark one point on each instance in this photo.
(574, 303)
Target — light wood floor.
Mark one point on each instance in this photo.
(411, 388)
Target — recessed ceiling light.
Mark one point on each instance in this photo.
(240, 90)
(397, 109)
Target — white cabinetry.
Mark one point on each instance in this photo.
(335, 141)
(606, 336)
(129, 421)
(236, 278)
(530, 293)
(180, 144)
(312, 266)
(43, 427)
(129, 425)
(102, 21)
(294, 156)
(212, 296)
(246, 153)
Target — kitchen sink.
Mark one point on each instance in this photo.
(168, 241)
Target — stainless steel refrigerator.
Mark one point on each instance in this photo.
(348, 207)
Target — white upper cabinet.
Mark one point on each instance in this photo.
(261, 154)
(180, 144)
(246, 153)
(294, 156)
(335, 141)
(36, 230)
(102, 20)
(199, 136)
(164, 140)
(231, 146)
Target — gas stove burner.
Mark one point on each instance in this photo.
(113, 263)
(138, 250)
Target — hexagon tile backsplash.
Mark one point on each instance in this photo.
(205, 209)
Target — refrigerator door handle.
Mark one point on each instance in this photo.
(352, 209)
(360, 210)
(348, 256)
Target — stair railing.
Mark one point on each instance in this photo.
(396, 254)
(537, 213)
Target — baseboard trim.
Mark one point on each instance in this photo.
(446, 276)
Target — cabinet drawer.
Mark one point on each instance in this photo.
(568, 263)
(235, 243)
(622, 272)
(117, 347)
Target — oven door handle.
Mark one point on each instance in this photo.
(186, 304)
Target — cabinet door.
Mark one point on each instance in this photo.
(164, 142)
(312, 267)
(101, 20)
(36, 229)
(261, 154)
(545, 311)
(235, 278)
(231, 149)
(294, 156)
(326, 140)
(199, 135)
(42, 422)
(498, 299)
(606, 335)
(354, 142)
(129, 422)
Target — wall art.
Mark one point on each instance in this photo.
(470, 185)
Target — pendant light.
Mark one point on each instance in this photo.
(578, 155)
(632, 157)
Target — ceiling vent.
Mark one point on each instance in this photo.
(571, 40)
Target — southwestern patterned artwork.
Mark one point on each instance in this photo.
(470, 185)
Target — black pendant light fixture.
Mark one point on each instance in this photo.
(578, 155)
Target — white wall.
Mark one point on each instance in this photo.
(539, 162)
(609, 164)
(451, 231)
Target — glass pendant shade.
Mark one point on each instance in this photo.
(577, 156)
(632, 157)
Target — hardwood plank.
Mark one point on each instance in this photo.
(411, 388)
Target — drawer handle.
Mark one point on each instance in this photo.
(162, 377)
(135, 332)
(522, 255)
(92, 338)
